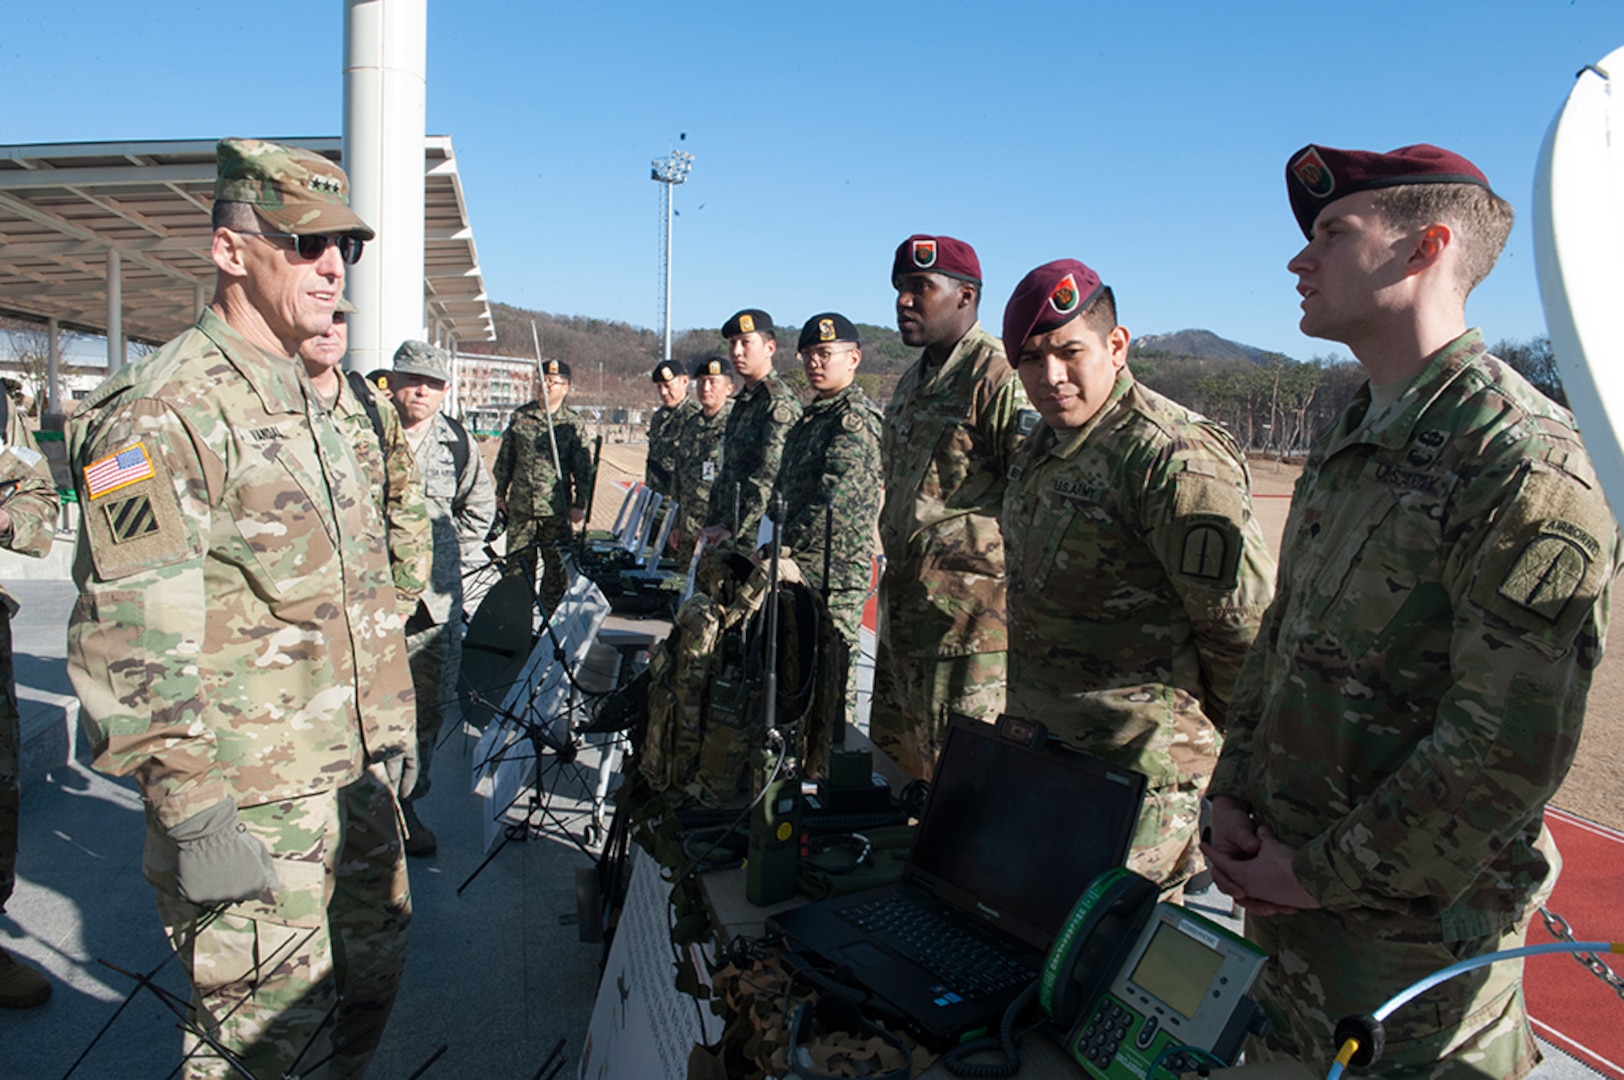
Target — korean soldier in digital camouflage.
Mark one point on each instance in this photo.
(831, 480)
(753, 445)
(1137, 572)
(665, 427)
(461, 501)
(542, 495)
(951, 430)
(236, 646)
(28, 509)
(699, 446)
(1418, 688)
(375, 436)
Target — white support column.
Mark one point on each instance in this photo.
(53, 371)
(115, 311)
(385, 58)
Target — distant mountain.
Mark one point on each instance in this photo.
(1199, 343)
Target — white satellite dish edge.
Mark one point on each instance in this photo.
(1579, 258)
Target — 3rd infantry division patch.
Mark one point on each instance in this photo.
(130, 519)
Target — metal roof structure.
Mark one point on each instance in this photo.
(71, 212)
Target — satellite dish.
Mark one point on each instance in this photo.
(499, 639)
(1579, 255)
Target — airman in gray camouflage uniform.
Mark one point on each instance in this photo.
(699, 447)
(461, 502)
(27, 526)
(1137, 572)
(754, 444)
(832, 460)
(951, 430)
(1417, 692)
(235, 644)
(541, 504)
(665, 427)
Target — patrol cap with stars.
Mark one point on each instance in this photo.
(667, 371)
(294, 189)
(827, 327)
(749, 321)
(1048, 297)
(344, 307)
(421, 358)
(552, 368)
(1317, 176)
(936, 255)
(712, 365)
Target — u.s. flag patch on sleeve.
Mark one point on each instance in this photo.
(128, 466)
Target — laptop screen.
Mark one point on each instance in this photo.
(1014, 835)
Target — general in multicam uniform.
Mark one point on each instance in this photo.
(235, 644)
(1417, 692)
(951, 430)
(754, 443)
(543, 498)
(665, 427)
(831, 481)
(699, 447)
(1137, 572)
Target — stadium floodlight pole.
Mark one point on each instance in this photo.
(669, 171)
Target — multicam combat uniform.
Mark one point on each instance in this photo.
(664, 438)
(832, 459)
(1415, 697)
(32, 505)
(388, 463)
(539, 501)
(699, 462)
(235, 638)
(751, 452)
(950, 438)
(1137, 579)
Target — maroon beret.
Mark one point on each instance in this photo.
(1050, 296)
(937, 255)
(1319, 175)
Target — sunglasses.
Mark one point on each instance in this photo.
(311, 246)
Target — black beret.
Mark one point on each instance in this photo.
(667, 371)
(555, 367)
(830, 326)
(712, 365)
(750, 320)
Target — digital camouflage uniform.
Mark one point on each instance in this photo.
(539, 501)
(699, 462)
(832, 458)
(388, 462)
(751, 451)
(460, 510)
(950, 438)
(33, 509)
(1414, 699)
(236, 638)
(1137, 579)
(664, 435)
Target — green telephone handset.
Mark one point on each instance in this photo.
(1135, 984)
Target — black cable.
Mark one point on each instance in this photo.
(1005, 1041)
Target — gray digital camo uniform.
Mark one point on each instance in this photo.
(751, 451)
(1137, 580)
(699, 462)
(664, 433)
(832, 459)
(33, 508)
(1414, 699)
(539, 501)
(236, 637)
(460, 512)
(950, 439)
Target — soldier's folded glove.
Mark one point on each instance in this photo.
(217, 861)
(402, 770)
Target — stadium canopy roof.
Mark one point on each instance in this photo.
(65, 207)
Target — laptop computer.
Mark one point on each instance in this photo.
(1010, 837)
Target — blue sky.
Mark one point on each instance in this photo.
(1148, 139)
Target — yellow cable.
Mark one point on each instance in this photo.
(1350, 1047)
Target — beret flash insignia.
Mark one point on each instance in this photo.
(747, 324)
(826, 329)
(1313, 174)
(924, 254)
(382, 382)
(1063, 297)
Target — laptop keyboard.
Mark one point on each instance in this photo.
(969, 965)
